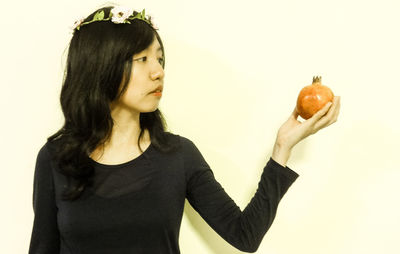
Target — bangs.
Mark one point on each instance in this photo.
(136, 36)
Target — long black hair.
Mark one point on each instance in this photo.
(99, 56)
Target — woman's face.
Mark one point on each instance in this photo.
(145, 86)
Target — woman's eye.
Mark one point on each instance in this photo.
(142, 59)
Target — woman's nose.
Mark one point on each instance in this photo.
(157, 72)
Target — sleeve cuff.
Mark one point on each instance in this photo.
(281, 169)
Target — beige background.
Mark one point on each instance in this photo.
(233, 72)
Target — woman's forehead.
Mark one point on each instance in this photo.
(155, 46)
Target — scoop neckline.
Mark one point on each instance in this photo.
(102, 165)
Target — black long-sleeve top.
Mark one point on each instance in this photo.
(137, 206)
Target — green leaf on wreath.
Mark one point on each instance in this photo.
(99, 16)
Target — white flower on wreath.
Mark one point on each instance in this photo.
(77, 23)
(150, 17)
(120, 14)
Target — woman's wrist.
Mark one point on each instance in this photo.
(281, 153)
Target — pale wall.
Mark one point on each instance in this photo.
(233, 73)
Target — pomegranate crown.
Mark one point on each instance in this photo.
(316, 79)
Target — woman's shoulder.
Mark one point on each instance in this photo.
(182, 141)
(52, 145)
(43, 152)
(45, 158)
(187, 147)
(49, 149)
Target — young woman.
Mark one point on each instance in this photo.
(113, 180)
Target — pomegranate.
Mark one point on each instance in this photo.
(312, 98)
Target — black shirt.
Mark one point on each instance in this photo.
(137, 206)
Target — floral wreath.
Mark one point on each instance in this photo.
(118, 15)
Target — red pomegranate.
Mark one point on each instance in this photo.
(312, 98)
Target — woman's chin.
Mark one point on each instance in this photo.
(150, 109)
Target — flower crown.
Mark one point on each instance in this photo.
(118, 15)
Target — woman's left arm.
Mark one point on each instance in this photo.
(246, 229)
(242, 229)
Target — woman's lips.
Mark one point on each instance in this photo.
(157, 93)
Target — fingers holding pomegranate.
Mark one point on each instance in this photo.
(326, 116)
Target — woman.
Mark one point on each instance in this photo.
(112, 180)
